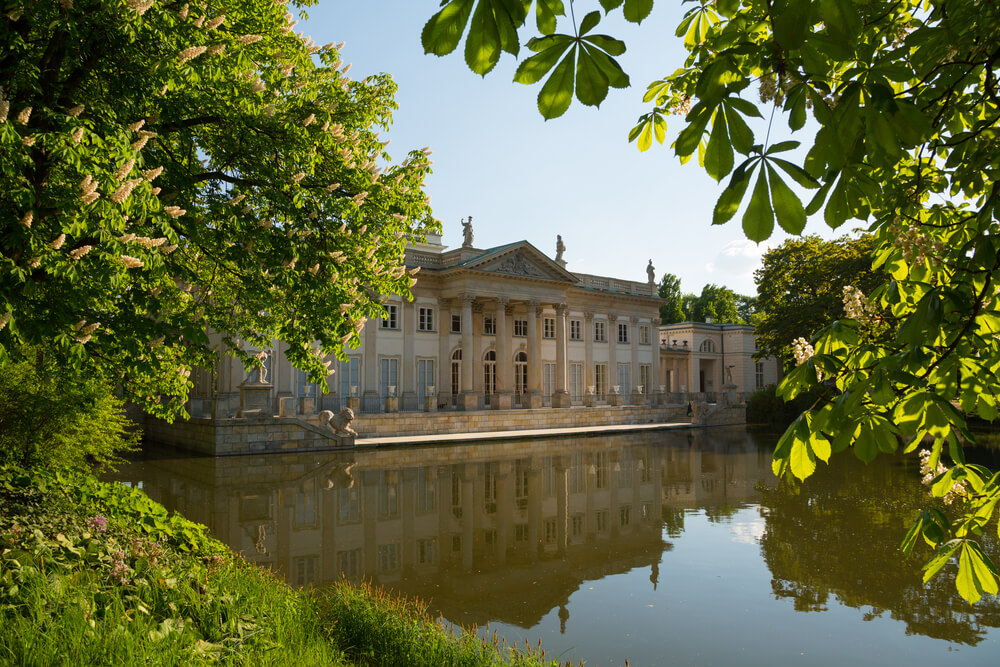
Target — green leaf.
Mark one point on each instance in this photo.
(800, 175)
(637, 10)
(729, 200)
(482, 46)
(443, 32)
(802, 459)
(739, 132)
(781, 147)
(689, 138)
(617, 78)
(591, 84)
(611, 4)
(719, 154)
(841, 19)
(589, 22)
(531, 70)
(557, 93)
(976, 573)
(613, 46)
(790, 20)
(787, 207)
(758, 220)
(546, 12)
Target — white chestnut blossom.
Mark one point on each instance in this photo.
(58, 242)
(27, 219)
(80, 252)
(191, 52)
(130, 262)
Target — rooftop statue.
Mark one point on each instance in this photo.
(467, 233)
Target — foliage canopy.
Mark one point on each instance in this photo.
(170, 168)
(905, 98)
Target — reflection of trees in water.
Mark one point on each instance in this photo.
(673, 521)
(838, 535)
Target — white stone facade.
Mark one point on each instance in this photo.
(501, 328)
(695, 357)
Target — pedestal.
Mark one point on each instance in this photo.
(255, 399)
(637, 398)
(286, 406)
(307, 405)
(730, 393)
(354, 403)
(430, 404)
(535, 400)
(589, 399)
(392, 404)
(502, 401)
(614, 398)
(468, 401)
(561, 399)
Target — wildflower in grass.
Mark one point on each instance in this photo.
(119, 568)
(98, 523)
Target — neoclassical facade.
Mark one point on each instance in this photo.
(503, 327)
(704, 357)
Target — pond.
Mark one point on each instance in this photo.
(663, 548)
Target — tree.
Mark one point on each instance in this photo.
(905, 104)
(718, 303)
(800, 287)
(167, 169)
(670, 289)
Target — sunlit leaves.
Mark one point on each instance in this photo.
(696, 23)
(586, 68)
(650, 125)
(493, 29)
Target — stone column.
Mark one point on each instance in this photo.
(561, 397)
(613, 399)
(589, 399)
(656, 370)
(370, 362)
(675, 378)
(502, 400)
(408, 373)
(443, 388)
(467, 399)
(561, 465)
(633, 337)
(534, 358)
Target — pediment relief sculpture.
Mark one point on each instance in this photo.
(517, 265)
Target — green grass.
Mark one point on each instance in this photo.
(98, 574)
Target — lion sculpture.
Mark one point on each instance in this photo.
(340, 423)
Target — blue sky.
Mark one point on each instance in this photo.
(521, 177)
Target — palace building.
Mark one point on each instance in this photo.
(503, 328)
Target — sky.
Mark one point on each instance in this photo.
(523, 178)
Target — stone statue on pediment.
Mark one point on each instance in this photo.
(560, 248)
(467, 233)
(651, 273)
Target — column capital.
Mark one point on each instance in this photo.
(532, 303)
(443, 302)
(560, 309)
(634, 319)
(612, 317)
(468, 299)
(588, 315)
(502, 301)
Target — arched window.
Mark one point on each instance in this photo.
(490, 372)
(456, 372)
(521, 373)
(707, 346)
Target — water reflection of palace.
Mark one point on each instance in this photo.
(513, 526)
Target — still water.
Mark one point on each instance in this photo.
(666, 548)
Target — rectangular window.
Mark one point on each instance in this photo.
(623, 332)
(624, 515)
(426, 550)
(350, 377)
(520, 327)
(577, 478)
(574, 330)
(390, 377)
(548, 327)
(600, 379)
(490, 537)
(576, 381)
(644, 379)
(305, 570)
(624, 384)
(551, 531)
(758, 375)
(599, 335)
(489, 326)
(601, 520)
(391, 319)
(601, 468)
(548, 380)
(456, 323)
(425, 319)
(520, 532)
(388, 557)
(349, 505)
(305, 505)
(426, 490)
(388, 500)
(577, 527)
(644, 336)
(425, 379)
(349, 562)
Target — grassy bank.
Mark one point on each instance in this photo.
(94, 573)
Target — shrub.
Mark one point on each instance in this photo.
(765, 407)
(53, 417)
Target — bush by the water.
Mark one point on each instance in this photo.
(54, 417)
(764, 406)
(95, 573)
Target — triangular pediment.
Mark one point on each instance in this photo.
(520, 259)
